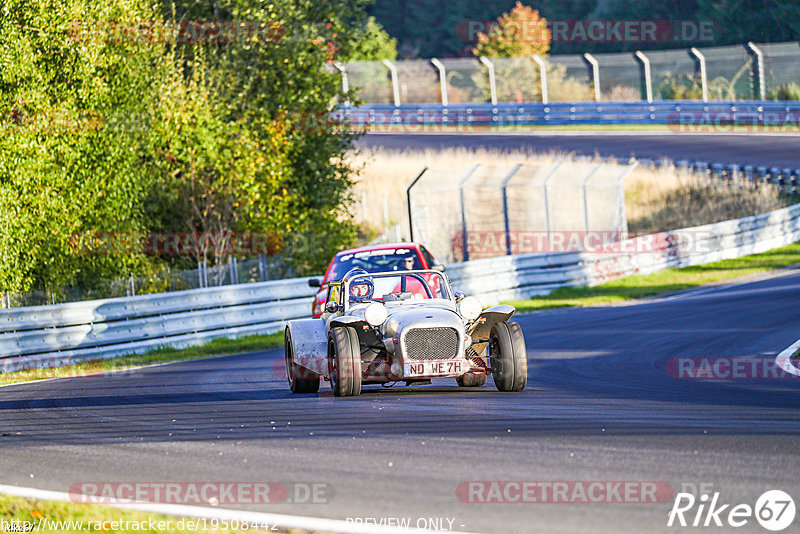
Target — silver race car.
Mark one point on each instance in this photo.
(382, 328)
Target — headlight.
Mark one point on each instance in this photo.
(376, 314)
(390, 330)
(470, 308)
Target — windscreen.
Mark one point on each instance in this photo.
(375, 261)
(392, 288)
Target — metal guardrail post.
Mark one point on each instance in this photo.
(408, 200)
(648, 80)
(202, 273)
(263, 271)
(748, 172)
(786, 176)
(234, 270)
(760, 78)
(542, 77)
(584, 188)
(395, 81)
(505, 207)
(775, 177)
(763, 175)
(735, 175)
(595, 75)
(492, 81)
(703, 72)
(464, 235)
(547, 214)
(342, 68)
(717, 170)
(442, 78)
(622, 220)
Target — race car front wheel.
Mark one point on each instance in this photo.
(301, 380)
(508, 357)
(344, 361)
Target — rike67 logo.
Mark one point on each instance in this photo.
(774, 510)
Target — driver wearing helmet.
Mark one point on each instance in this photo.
(362, 288)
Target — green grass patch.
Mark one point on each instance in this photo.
(217, 347)
(796, 355)
(95, 518)
(666, 281)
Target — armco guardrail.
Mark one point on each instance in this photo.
(682, 115)
(47, 336)
(527, 275)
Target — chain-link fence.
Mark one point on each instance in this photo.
(719, 73)
(259, 269)
(781, 65)
(493, 210)
(621, 77)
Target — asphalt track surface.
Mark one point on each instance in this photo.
(600, 406)
(743, 149)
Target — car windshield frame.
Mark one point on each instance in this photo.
(415, 274)
(344, 263)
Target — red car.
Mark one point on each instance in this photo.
(373, 259)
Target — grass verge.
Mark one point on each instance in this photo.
(217, 347)
(68, 517)
(666, 281)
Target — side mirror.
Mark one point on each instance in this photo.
(439, 268)
(460, 295)
(314, 282)
(331, 307)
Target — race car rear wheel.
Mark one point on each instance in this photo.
(301, 380)
(508, 357)
(471, 380)
(344, 361)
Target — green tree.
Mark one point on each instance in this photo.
(372, 43)
(741, 21)
(519, 33)
(124, 128)
(276, 96)
(70, 160)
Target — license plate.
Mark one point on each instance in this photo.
(451, 367)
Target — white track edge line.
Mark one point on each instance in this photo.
(278, 520)
(784, 359)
